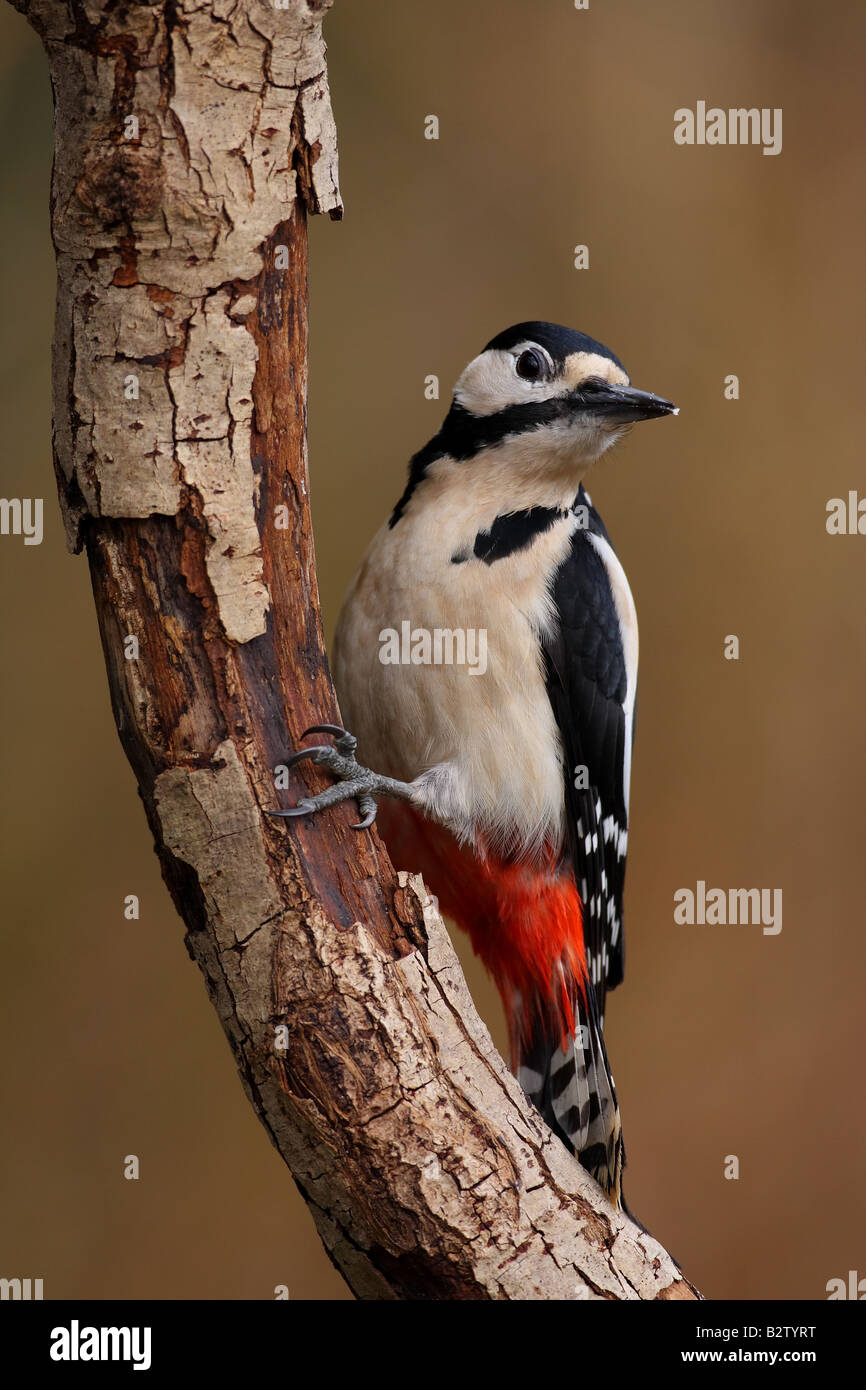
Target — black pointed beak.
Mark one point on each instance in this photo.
(621, 404)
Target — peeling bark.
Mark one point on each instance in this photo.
(181, 257)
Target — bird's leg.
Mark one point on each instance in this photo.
(355, 782)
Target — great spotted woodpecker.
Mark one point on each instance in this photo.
(507, 781)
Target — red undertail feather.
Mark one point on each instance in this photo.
(525, 922)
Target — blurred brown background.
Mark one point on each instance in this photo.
(556, 128)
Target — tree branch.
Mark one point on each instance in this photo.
(191, 140)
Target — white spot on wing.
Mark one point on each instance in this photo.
(625, 611)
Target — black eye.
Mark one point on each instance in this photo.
(530, 365)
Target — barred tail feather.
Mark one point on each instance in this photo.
(566, 1075)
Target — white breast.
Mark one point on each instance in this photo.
(484, 748)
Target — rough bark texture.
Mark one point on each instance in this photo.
(181, 255)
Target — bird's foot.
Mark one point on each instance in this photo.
(355, 782)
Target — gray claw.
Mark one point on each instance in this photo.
(346, 742)
(307, 753)
(303, 808)
(368, 808)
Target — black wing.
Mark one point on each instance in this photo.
(587, 684)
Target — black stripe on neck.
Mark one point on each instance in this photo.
(514, 531)
(463, 435)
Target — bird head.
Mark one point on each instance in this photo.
(531, 412)
(569, 393)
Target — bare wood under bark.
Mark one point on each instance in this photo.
(181, 257)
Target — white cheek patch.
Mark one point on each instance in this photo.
(490, 383)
